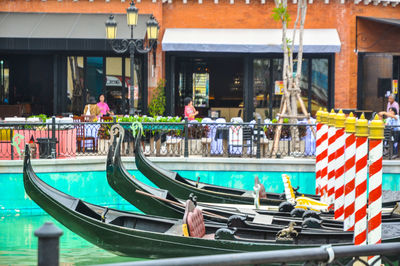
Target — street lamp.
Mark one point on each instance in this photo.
(123, 45)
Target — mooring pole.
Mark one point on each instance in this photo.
(48, 244)
(376, 136)
(349, 173)
(360, 204)
(324, 156)
(332, 146)
(339, 161)
(318, 147)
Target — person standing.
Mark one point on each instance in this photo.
(104, 109)
(190, 111)
(392, 103)
(92, 110)
(393, 120)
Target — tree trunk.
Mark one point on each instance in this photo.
(77, 95)
(291, 85)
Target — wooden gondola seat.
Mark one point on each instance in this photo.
(194, 220)
(262, 193)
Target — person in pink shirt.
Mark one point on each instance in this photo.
(104, 109)
(190, 111)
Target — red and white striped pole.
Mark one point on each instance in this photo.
(376, 135)
(331, 156)
(349, 173)
(339, 161)
(324, 156)
(318, 154)
(360, 225)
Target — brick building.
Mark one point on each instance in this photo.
(225, 54)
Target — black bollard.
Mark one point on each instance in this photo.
(186, 150)
(52, 143)
(48, 244)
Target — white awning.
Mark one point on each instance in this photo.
(247, 40)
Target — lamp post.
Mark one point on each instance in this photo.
(132, 45)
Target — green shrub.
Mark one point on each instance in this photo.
(157, 103)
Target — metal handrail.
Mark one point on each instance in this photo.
(195, 139)
(323, 254)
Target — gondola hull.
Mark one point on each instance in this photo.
(127, 187)
(160, 202)
(182, 188)
(140, 236)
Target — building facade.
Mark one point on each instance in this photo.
(224, 54)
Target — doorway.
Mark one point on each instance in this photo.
(213, 83)
(376, 77)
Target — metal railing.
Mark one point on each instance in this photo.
(256, 140)
(388, 253)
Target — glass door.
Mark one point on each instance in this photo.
(4, 82)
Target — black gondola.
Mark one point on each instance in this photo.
(181, 187)
(160, 202)
(143, 236)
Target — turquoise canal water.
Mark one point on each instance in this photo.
(18, 245)
(20, 216)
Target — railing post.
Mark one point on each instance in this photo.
(186, 151)
(258, 138)
(12, 147)
(53, 137)
(48, 244)
(289, 142)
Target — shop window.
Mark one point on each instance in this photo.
(262, 83)
(305, 92)
(214, 83)
(75, 84)
(4, 82)
(184, 80)
(268, 83)
(194, 82)
(116, 91)
(319, 88)
(277, 79)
